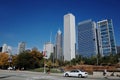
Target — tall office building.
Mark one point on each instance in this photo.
(59, 45)
(87, 39)
(4, 48)
(9, 50)
(106, 37)
(69, 37)
(21, 47)
(48, 49)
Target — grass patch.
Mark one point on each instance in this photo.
(52, 70)
(38, 70)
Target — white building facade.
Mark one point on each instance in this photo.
(69, 37)
(21, 47)
(48, 49)
(6, 49)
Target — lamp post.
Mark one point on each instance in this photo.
(10, 60)
(44, 66)
(44, 54)
(97, 58)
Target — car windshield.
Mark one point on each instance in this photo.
(82, 70)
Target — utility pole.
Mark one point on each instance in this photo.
(44, 66)
(97, 59)
(44, 54)
(10, 60)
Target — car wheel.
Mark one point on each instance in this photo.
(66, 75)
(79, 75)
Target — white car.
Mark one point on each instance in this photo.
(10, 68)
(76, 73)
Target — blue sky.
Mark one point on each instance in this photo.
(32, 21)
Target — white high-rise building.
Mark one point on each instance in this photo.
(48, 49)
(9, 50)
(4, 48)
(21, 47)
(69, 37)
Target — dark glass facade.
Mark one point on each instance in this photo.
(0, 49)
(87, 45)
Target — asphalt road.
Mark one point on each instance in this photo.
(27, 75)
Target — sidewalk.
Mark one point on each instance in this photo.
(100, 75)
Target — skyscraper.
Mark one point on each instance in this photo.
(87, 39)
(106, 37)
(48, 49)
(69, 37)
(9, 50)
(59, 45)
(21, 47)
(4, 48)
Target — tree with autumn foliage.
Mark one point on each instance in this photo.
(14, 59)
(4, 60)
(37, 58)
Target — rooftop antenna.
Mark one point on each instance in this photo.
(50, 36)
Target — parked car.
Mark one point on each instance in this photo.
(10, 68)
(76, 73)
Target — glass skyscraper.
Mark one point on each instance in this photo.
(106, 37)
(59, 53)
(87, 41)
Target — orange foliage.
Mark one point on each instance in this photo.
(4, 59)
(36, 55)
(14, 58)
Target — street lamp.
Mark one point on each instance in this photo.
(44, 55)
(10, 60)
(44, 66)
(97, 58)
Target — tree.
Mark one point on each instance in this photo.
(29, 60)
(23, 60)
(56, 64)
(37, 58)
(51, 57)
(4, 60)
(59, 62)
(73, 61)
(14, 58)
(109, 60)
(49, 63)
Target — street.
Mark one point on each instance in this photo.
(27, 75)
